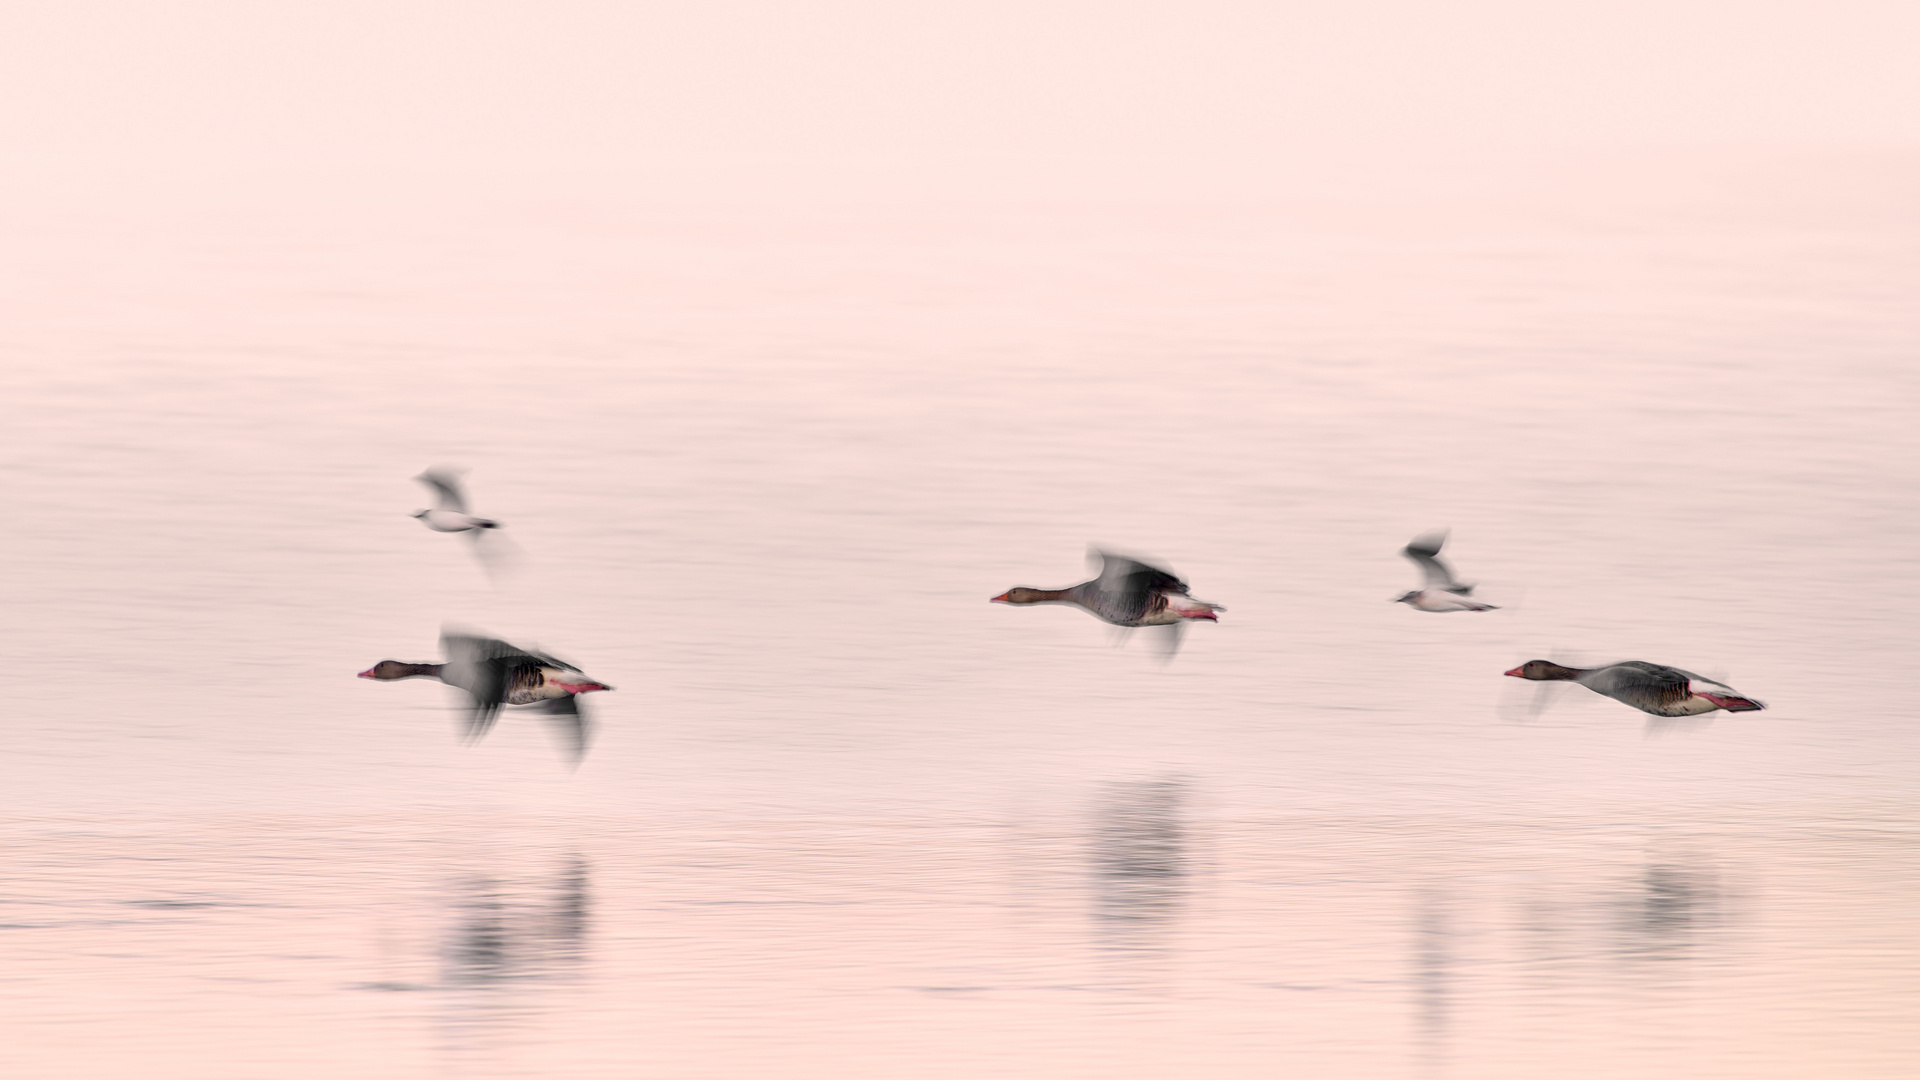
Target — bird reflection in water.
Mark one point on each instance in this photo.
(1433, 976)
(506, 936)
(1668, 912)
(1139, 876)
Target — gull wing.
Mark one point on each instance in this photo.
(1424, 550)
(446, 486)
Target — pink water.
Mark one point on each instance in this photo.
(844, 817)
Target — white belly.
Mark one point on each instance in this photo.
(1435, 600)
(447, 521)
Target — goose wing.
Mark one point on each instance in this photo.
(1126, 588)
(1701, 681)
(1424, 550)
(446, 486)
(483, 667)
(1640, 684)
(570, 723)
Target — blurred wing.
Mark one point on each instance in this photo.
(571, 724)
(1424, 550)
(497, 554)
(545, 660)
(480, 666)
(487, 691)
(1658, 726)
(1525, 702)
(446, 485)
(1703, 680)
(1166, 640)
(1128, 585)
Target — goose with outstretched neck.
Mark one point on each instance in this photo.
(1651, 688)
(1127, 593)
(494, 673)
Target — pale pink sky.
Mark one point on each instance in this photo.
(694, 96)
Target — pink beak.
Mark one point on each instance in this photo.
(367, 674)
(1516, 673)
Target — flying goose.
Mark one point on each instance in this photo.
(1651, 688)
(1127, 593)
(494, 673)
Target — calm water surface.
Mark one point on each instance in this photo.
(844, 817)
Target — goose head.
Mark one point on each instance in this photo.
(1021, 595)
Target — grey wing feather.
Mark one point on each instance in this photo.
(1127, 586)
(472, 649)
(482, 667)
(1701, 679)
(572, 724)
(1424, 550)
(488, 689)
(446, 484)
(1639, 683)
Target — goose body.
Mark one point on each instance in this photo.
(1127, 593)
(1651, 688)
(1442, 592)
(494, 673)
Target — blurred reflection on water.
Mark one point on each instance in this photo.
(1139, 876)
(1362, 947)
(846, 819)
(502, 932)
(507, 940)
(1669, 913)
(1432, 974)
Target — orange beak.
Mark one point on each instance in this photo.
(1001, 599)
(367, 674)
(1517, 673)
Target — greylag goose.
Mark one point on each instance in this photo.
(494, 673)
(1442, 592)
(1651, 688)
(451, 516)
(1127, 593)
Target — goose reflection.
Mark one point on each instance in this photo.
(1139, 873)
(504, 931)
(509, 942)
(1665, 914)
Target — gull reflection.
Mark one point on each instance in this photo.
(1139, 872)
(1433, 974)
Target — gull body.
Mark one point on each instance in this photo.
(451, 515)
(1442, 591)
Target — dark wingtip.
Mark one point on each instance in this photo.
(1427, 544)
